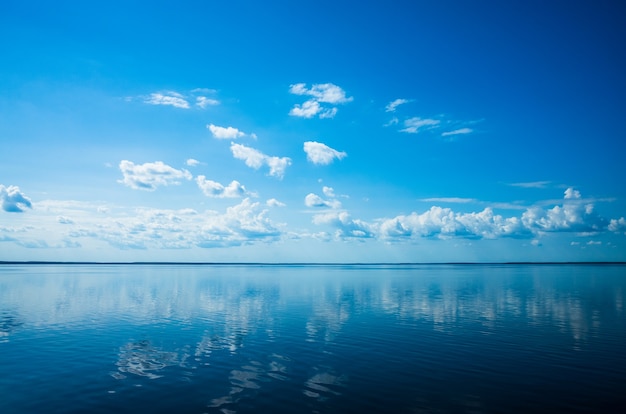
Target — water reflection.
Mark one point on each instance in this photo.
(248, 331)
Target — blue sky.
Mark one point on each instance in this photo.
(413, 131)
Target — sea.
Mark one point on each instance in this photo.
(200, 338)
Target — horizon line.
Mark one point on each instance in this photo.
(45, 262)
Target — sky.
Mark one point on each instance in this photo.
(276, 131)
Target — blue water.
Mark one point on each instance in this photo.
(318, 339)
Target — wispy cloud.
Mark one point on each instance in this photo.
(324, 93)
(180, 100)
(460, 131)
(449, 200)
(392, 106)
(13, 200)
(214, 189)
(256, 159)
(150, 175)
(192, 163)
(321, 154)
(532, 184)
(415, 124)
(203, 101)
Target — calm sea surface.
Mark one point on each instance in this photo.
(319, 339)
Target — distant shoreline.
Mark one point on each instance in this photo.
(37, 262)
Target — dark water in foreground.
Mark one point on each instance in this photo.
(353, 339)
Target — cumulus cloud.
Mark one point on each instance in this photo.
(325, 93)
(346, 227)
(313, 200)
(225, 132)
(214, 189)
(617, 224)
(321, 154)
(150, 175)
(13, 200)
(460, 131)
(256, 159)
(444, 223)
(572, 215)
(170, 98)
(413, 125)
(392, 106)
(328, 191)
(272, 202)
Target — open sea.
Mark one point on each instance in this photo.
(312, 339)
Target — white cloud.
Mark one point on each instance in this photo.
(573, 215)
(272, 202)
(443, 223)
(347, 228)
(413, 125)
(326, 93)
(617, 224)
(321, 154)
(225, 132)
(13, 200)
(307, 110)
(150, 175)
(458, 132)
(203, 102)
(167, 98)
(532, 184)
(392, 106)
(392, 121)
(448, 200)
(313, 200)
(192, 163)
(65, 220)
(214, 189)
(256, 159)
(321, 92)
(328, 191)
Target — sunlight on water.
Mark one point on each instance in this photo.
(236, 339)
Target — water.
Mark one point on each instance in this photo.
(318, 339)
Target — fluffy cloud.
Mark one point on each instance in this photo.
(272, 202)
(13, 200)
(170, 98)
(321, 154)
(225, 132)
(345, 226)
(573, 215)
(256, 159)
(460, 131)
(391, 107)
(325, 93)
(313, 200)
(214, 189)
(150, 175)
(413, 125)
(444, 223)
